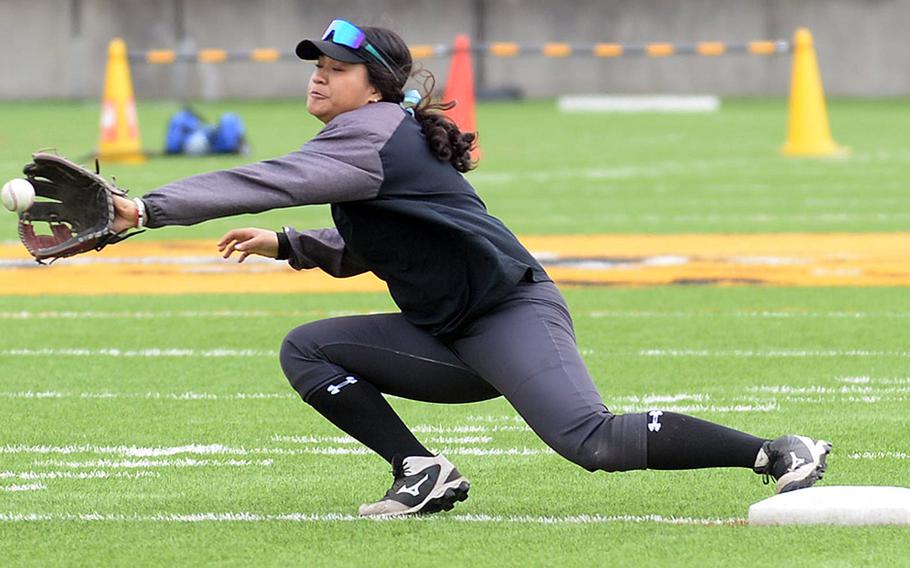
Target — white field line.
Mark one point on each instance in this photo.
(894, 381)
(768, 314)
(435, 429)
(293, 439)
(189, 314)
(629, 403)
(95, 474)
(827, 399)
(619, 404)
(183, 396)
(771, 353)
(855, 390)
(854, 380)
(156, 352)
(205, 353)
(337, 517)
(246, 517)
(593, 519)
(133, 451)
(662, 398)
(506, 419)
(219, 450)
(865, 380)
(471, 451)
(258, 264)
(446, 440)
(26, 487)
(719, 408)
(147, 463)
(757, 218)
(241, 314)
(879, 456)
(500, 419)
(349, 440)
(814, 389)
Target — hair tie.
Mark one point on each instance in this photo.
(411, 100)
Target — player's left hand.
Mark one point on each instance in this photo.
(249, 241)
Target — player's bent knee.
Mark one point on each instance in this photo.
(300, 344)
(302, 362)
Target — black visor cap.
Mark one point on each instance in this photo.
(310, 50)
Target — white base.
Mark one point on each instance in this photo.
(835, 505)
(638, 103)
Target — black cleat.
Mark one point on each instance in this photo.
(422, 485)
(796, 462)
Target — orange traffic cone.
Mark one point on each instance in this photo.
(119, 140)
(460, 88)
(808, 132)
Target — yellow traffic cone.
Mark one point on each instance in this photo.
(119, 140)
(808, 132)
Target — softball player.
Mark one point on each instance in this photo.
(479, 316)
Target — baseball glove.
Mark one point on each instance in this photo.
(78, 207)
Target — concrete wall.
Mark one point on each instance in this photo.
(56, 48)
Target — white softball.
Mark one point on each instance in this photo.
(18, 195)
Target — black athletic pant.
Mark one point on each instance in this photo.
(524, 350)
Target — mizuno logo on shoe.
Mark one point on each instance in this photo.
(414, 489)
(654, 424)
(335, 389)
(795, 461)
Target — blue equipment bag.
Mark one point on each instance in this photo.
(228, 136)
(179, 128)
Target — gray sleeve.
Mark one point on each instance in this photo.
(322, 248)
(341, 163)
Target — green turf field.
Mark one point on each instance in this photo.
(156, 430)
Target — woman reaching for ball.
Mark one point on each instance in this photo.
(479, 317)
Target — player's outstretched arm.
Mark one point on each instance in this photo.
(249, 241)
(341, 163)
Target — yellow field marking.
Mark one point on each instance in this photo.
(788, 259)
(782, 259)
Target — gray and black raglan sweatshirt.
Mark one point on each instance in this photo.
(399, 212)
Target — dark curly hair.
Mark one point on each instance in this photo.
(446, 140)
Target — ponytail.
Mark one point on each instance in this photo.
(446, 141)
